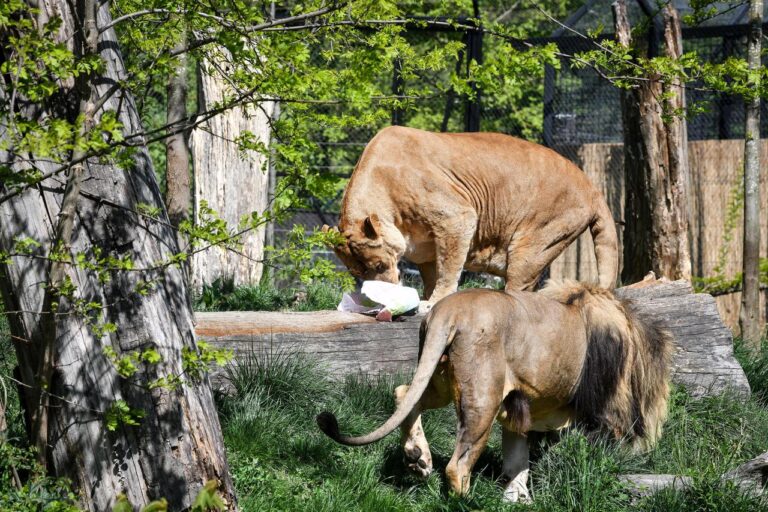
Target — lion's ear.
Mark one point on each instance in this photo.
(372, 226)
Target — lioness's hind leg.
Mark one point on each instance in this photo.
(528, 256)
(515, 448)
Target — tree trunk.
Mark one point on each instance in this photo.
(749, 316)
(178, 194)
(656, 165)
(233, 183)
(177, 446)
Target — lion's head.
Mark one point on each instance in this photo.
(367, 253)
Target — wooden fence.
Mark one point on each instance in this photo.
(716, 170)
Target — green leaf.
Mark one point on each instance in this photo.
(122, 504)
(160, 505)
(208, 499)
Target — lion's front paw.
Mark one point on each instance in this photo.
(424, 307)
(517, 496)
(517, 489)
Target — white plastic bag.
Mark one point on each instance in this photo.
(385, 300)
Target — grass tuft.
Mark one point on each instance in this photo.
(579, 474)
(279, 376)
(755, 366)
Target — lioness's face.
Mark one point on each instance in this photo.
(367, 256)
(374, 264)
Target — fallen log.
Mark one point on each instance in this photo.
(641, 485)
(348, 343)
(751, 476)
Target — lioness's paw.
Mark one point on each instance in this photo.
(424, 307)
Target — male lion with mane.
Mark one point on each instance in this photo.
(542, 361)
(485, 202)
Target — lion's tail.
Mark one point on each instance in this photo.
(624, 384)
(603, 230)
(434, 342)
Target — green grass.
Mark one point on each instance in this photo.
(8, 392)
(281, 461)
(755, 366)
(223, 295)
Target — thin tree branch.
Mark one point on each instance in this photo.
(130, 16)
(263, 26)
(57, 273)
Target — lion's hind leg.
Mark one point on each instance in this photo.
(515, 467)
(477, 403)
(418, 457)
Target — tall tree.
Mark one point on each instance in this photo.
(230, 179)
(656, 162)
(101, 320)
(178, 197)
(749, 316)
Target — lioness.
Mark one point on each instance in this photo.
(485, 202)
(535, 362)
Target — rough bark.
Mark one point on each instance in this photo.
(178, 194)
(749, 316)
(178, 445)
(751, 476)
(346, 343)
(64, 226)
(232, 183)
(642, 485)
(656, 165)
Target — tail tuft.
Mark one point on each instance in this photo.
(328, 424)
